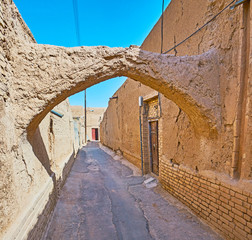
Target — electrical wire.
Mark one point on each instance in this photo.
(76, 18)
(162, 27)
(162, 39)
(200, 27)
(77, 28)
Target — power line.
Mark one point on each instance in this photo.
(201, 27)
(162, 39)
(77, 28)
(162, 27)
(76, 18)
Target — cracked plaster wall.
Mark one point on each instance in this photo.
(212, 157)
(26, 167)
(35, 78)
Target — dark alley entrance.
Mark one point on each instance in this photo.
(103, 199)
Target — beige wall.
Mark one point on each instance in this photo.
(30, 176)
(78, 115)
(32, 171)
(223, 34)
(179, 146)
(54, 141)
(94, 118)
(120, 125)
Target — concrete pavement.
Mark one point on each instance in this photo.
(103, 200)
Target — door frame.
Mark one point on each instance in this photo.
(150, 143)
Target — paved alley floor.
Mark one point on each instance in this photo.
(103, 200)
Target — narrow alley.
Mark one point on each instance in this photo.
(103, 199)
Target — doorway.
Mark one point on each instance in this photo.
(95, 135)
(154, 159)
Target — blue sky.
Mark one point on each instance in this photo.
(111, 23)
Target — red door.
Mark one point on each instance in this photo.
(93, 133)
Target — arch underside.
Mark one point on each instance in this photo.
(46, 75)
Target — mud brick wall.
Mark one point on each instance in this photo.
(27, 191)
(224, 206)
(39, 229)
(223, 203)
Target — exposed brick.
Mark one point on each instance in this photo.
(237, 212)
(214, 205)
(223, 199)
(240, 219)
(225, 195)
(236, 200)
(248, 230)
(226, 216)
(240, 208)
(212, 199)
(213, 208)
(242, 197)
(232, 193)
(249, 225)
(227, 227)
(228, 207)
(223, 209)
(214, 195)
(215, 186)
(215, 215)
(212, 219)
(231, 204)
(224, 220)
(246, 193)
(246, 205)
(241, 234)
(224, 189)
(241, 226)
(247, 217)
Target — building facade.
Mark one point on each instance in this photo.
(212, 176)
(94, 118)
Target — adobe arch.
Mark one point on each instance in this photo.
(46, 75)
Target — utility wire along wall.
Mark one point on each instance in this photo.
(199, 28)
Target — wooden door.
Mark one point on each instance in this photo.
(93, 133)
(154, 147)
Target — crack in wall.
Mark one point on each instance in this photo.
(26, 170)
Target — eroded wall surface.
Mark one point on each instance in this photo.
(31, 171)
(28, 181)
(212, 176)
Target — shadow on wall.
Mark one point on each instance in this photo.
(40, 152)
(43, 155)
